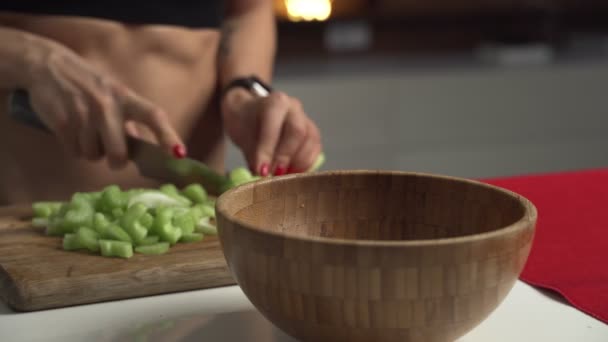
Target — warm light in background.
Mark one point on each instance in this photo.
(308, 10)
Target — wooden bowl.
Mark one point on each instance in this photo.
(375, 256)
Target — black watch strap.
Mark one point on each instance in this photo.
(251, 83)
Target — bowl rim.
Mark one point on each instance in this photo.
(528, 219)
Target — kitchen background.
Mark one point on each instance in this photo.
(467, 88)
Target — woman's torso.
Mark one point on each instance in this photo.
(175, 67)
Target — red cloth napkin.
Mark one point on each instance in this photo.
(570, 249)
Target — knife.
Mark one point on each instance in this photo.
(150, 160)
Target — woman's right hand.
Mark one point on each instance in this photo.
(89, 111)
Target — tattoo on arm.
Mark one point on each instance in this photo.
(227, 32)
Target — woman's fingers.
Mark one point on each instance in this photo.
(138, 109)
(293, 135)
(308, 153)
(110, 121)
(270, 122)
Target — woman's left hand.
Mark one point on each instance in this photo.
(274, 133)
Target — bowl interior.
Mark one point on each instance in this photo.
(374, 206)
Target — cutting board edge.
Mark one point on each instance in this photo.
(20, 303)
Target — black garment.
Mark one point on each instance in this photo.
(189, 13)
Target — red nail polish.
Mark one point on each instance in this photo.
(264, 169)
(280, 170)
(179, 151)
(291, 170)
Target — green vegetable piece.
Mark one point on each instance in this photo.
(114, 232)
(185, 221)
(117, 213)
(318, 163)
(191, 237)
(240, 175)
(112, 248)
(45, 209)
(213, 180)
(76, 218)
(71, 242)
(111, 198)
(195, 192)
(164, 216)
(133, 214)
(146, 220)
(136, 231)
(156, 199)
(203, 210)
(172, 191)
(89, 238)
(155, 249)
(170, 234)
(169, 189)
(205, 227)
(148, 240)
(100, 224)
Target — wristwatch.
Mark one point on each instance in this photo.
(252, 84)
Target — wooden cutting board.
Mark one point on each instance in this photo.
(36, 273)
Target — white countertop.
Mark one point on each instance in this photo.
(225, 314)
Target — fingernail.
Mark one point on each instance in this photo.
(179, 151)
(291, 170)
(264, 169)
(280, 170)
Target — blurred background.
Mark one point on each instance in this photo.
(472, 88)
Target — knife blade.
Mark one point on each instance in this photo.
(150, 160)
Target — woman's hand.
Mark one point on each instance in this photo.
(89, 111)
(274, 133)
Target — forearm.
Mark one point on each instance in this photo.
(19, 54)
(248, 42)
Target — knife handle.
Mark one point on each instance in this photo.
(20, 109)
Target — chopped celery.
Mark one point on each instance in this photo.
(100, 223)
(148, 240)
(191, 237)
(155, 249)
(146, 220)
(195, 192)
(169, 233)
(203, 210)
(45, 209)
(169, 189)
(89, 238)
(185, 221)
(155, 199)
(111, 198)
(117, 213)
(172, 191)
(113, 248)
(78, 217)
(114, 232)
(71, 242)
(318, 163)
(205, 227)
(136, 231)
(240, 175)
(129, 221)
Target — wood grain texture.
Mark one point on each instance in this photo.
(36, 274)
(370, 256)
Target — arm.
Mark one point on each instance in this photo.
(274, 133)
(17, 56)
(248, 41)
